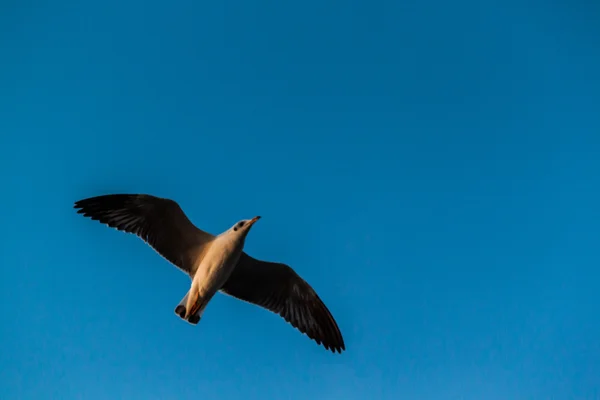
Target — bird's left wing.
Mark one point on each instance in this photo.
(158, 221)
(278, 288)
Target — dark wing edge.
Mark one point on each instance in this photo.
(279, 289)
(159, 222)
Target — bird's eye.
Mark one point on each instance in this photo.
(235, 228)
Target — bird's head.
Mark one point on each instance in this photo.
(242, 227)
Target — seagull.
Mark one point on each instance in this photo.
(216, 263)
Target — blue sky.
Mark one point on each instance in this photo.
(431, 168)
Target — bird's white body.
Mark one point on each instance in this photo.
(215, 268)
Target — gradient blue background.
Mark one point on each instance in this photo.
(431, 168)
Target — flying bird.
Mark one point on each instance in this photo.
(216, 263)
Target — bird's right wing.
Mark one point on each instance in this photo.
(278, 288)
(159, 222)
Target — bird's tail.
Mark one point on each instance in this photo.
(196, 308)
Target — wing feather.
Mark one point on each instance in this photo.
(279, 289)
(159, 222)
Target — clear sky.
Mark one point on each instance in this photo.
(431, 168)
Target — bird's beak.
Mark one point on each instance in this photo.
(253, 220)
